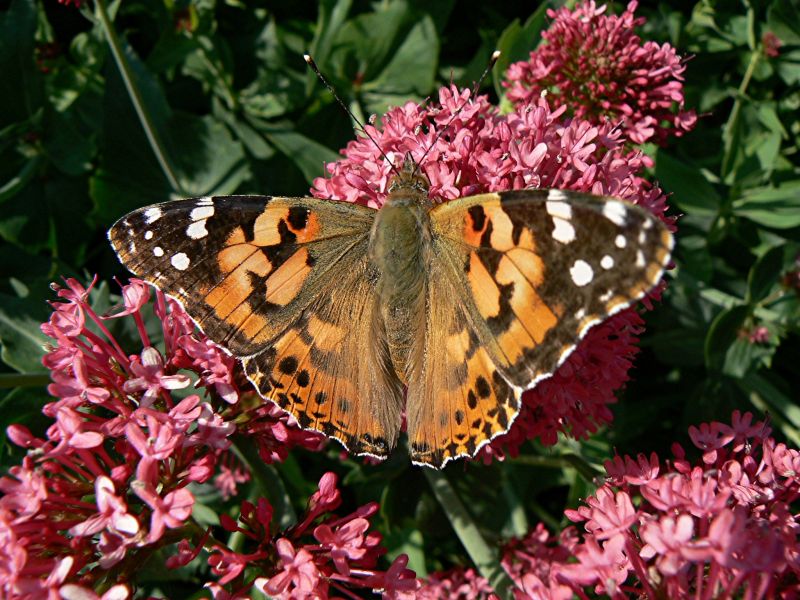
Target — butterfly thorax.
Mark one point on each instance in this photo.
(399, 245)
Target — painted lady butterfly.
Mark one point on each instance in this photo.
(334, 308)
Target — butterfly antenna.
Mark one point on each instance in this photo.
(475, 88)
(313, 65)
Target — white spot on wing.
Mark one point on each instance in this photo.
(132, 247)
(606, 262)
(581, 273)
(620, 241)
(201, 212)
(563, 231)
(148, 235)
(151, 215)
(642, 237)
(556, 195)
(615, 211)
(197, 230)
(639, 259)
(158, 251)
(180, 261)
(606, 296)
(205, 201)
(558, 209)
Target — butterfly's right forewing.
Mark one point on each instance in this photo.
(244, 267)
(283, 283)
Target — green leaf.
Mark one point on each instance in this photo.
(482, 554)
(783, 19)
(23, 406)
(691, 190)
(21, 90)
(417, 55)
(777, 207)
(308, 155)
(516, 43)
(212, 162)
(21, 339)
(764, 274)
(722, 333)
(761, 388)
(788, 66)
(17, 183)
(332, 16)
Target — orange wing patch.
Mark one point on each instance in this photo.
(459, 401)
(316, 370)
(538, 268)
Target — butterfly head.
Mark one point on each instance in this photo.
(408, 180)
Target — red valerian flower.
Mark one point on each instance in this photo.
(726, 528)
(598, 67)
(112, 474)
(482, 150)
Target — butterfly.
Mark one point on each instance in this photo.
(336, 309)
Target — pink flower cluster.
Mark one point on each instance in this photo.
(322, 556)
(472, 148)
(111, 478)
(723, 526)
(601, 70)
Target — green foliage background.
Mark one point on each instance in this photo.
(107, 107)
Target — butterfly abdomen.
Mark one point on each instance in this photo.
(399, 241)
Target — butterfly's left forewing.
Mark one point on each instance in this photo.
(530, 272)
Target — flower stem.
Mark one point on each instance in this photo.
(484, 556)
(587, 471)
(136, 97)
(728, 133)
(14, 380)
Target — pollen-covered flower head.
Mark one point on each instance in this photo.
(465, 146)
(598, 67)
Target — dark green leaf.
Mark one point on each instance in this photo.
(21, 339)
(517, 41)
(777, 207)
(783, 19)
(725, 329)
(308, 155)
(765, 274)
(690, 189)
(23, 406)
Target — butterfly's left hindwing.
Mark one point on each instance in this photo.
(243, 266)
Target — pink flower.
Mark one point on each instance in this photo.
(607, 566)
(299, 576)
(607, 514)
(710, 438)
(772, 44)
(112, 513)
(71, 591)
(667, 538)
(170, 511)
(160, 442)
(150, 377)
(598, 67)
(635, 472)
(400, 583)
(345, 543)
